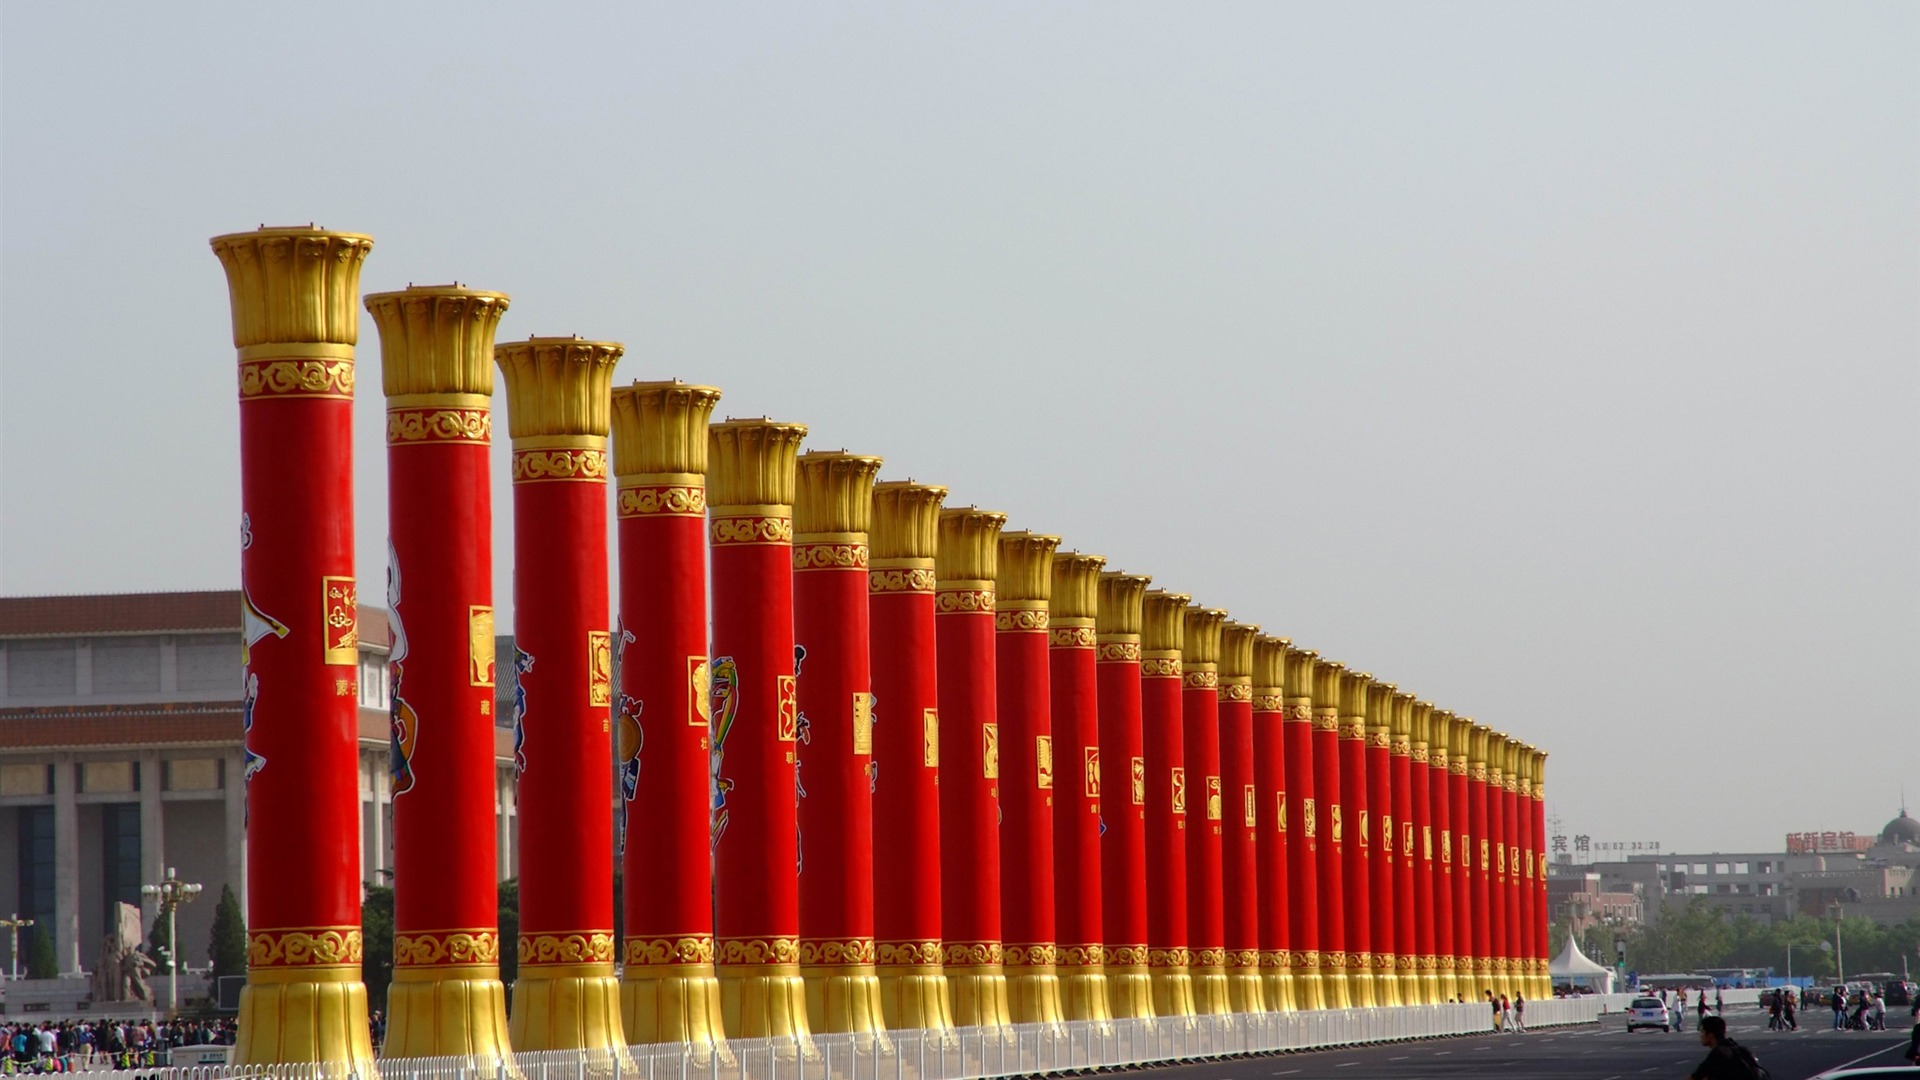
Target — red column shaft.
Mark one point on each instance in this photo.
(1405, 840)
(1516, 844)
(1024, 706)
(1167, 817)
(906, 750)
(1356, 862)
(1239, 847)
(1332, 912)
(1523, 885)
(1426, 903)
(1304, 932)
(969, 785)
(1079, 797)
(1497, 896)
(1460, 809)
(1206, 929)
(1541, 951)
(1267, 718)
(1383, 868)
(1123, 844)
(1479, 844)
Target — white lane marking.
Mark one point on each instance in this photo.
(1441, 1053)
(1346, 1065)
(1864, 1057)
(1286, 1072)
(1402, 1057)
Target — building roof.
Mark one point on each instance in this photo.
(1901, 830)
(116, 725)
(206, 610)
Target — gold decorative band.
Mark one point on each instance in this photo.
(1023, 620)
(1457, 767)
(1477, 770)
(907, 953)
(1351, 728)
(1210, 957)
(1119, 652)
(306, 946)
(1419, 753)
(1305, 960)
(1328, 720)
(1243, 958)
(1237, 691)
(1437, 757)
(407, 426)
(1201, 680)
(1079, 955)
(974, 953)
(1070, 637)
(1381, 739)
(675, 500)
(1031, 955)
(846, 951)
(1269, 703)
(1160, 667)
(1164, 958)
(963, 602)
(1124, 955)
(535, 466)
(779, 950)
(648, 952)
(741, 531)
(1300, 712)
(830, 557)
(906, 580)
(1275, 958)
(285, 378)
(441, 948)
(575, 947)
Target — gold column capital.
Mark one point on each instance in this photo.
(905, 523)
(1269, 672)
(1420, 728)
(1024, 574)
(1400, 721)
(969, 546)
(1122, 605)
(1200, 640)
(833, 495)
(1379, 710)
(1076, 587)
(437, 339)
(660, 428)
(1236, 650)
(753, 462)
(558, 386)
(293, 286)
(1329, 678)
(1163, 622)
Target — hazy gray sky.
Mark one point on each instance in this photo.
(1556, 362)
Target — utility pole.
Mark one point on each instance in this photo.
(13, 926)
(172, 892)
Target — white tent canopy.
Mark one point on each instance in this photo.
(1572, 966)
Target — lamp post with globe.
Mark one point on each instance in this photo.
(172, 892)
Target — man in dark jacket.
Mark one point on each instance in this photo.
(1726, 1059)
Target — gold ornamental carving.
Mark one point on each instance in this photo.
(1243, 958)
(907, 953)
(1237, 691)
(963, 602)
(1266, 703)
(1305, 960)
(780, 950)
(751, 530)
(535, 466)
(437, 339)
(1164, 958)
(1119, 652)
(830, 557)
(661, 427)
(903, 580)
(672, 500)
(1021, 621)
(1070, 637)
(1075, 592)
(848, 951)
(1274, 958)
(431, 425)
(1031, 955)
(1023, 569)
(646, 952)
(1125, 955)
(1160, 667)
(558, 385)
(296, 379)
(753, 462)
(1080, 955)
(299, 285)
(580, 947)
(1120, 603)
(438, 947)
(1201, 680)
(905, 523)
(974, 953)
(1212, 957)
(969, 547)
(1300, 712)
(313, 946)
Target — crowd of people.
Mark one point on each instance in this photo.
(71, 1045)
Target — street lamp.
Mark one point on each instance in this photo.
(13, 926)
(171, 893)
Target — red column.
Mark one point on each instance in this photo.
(1509, 794)
(1169, 794)
(1023, 583)
(436, 350)
(833, 504)
(295, 297)
(1200, 727)
(1468, 981)
(1497, 893)
(1382, 867)
(1311, 988)
(756, 728)
(1426, 902)
(1328, 678)
(970, 778)
(559, 396)
(1521, 870)
(1123, 847)
(1239, 845)
(1357, 855)
(1267, 719)
(668, 992)
(1543, 983)
(1479, 853)
(906, 755)
(1074, 673)
(1404, 837)
(1439, 792)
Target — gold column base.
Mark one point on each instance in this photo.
(1033, 994)
(1411, 991)
(1276, 986)
(1358, 970)
(1333, 975)
(1386, 981)
(1464, 980)
(1246, 990)
(1172, 991)
(567, 1007)
(843, 998)
(454, 1011)
(915, 996)
(979, 995)
(1483, 978)
(1083, 992)
(1211, 994)
(765, 1001)
(1130, 991)
(672, 1003)
(1309, 989)
(302, 1015)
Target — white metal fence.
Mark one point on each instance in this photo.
(1021, 1050)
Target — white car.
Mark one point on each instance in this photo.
(1648, 1012)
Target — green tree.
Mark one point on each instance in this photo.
(376, 928)
(228, 949)
(508, 898)
(40, 961)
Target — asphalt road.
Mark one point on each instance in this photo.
(1602, 1052)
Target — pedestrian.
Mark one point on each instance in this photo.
(1726, 1059)
(1877, 1014)
(1703, 1006)
(1495, 1006)
(1719, 1003)
(1519, 1013)
(1776, 1010)
(1839, 1008)
(1793, 1021)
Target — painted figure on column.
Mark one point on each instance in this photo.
(1171, 803)
(1123, 844)
(1240, 822)
(1073, 672)
(906, 755)
(1380, 839)
(832, 509)
(669, 992)
(1343, 990)
(1029, 778)
(1312, 989)
(295, 309)
(1426, 905)
(964, 571)
(1402, 838)
(755, 713)
(559, 397)
(1200, 736)
(1268, 715)
(436, 349)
